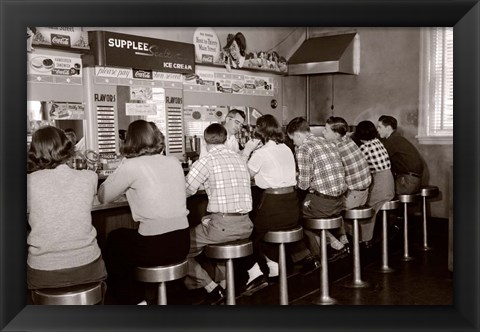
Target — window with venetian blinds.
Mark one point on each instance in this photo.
(436, 86)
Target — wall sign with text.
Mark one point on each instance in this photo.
(43, 68)
(122, 50)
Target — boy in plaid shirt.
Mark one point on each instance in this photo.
(226, 179)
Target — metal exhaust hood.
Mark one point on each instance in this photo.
(333, 54)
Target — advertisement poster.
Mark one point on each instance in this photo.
(54, 65)
(66, 111)
(140, 109)
(68, 37)
(258, 83)
(200, 77)
(207, 46)
(140, 93)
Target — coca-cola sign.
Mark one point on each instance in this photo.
(143, 74)
(60, 40)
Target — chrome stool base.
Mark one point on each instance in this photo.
(387, 206)
(282, 237)
(357, 284)
(322, 224)
(325, 300)
(160, 275)
(385, 269)
(228, 251)
(425, 192)
(426, 248)
(407, 258)
(355, 215)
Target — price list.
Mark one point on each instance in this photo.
(175, 129)
(106, 129)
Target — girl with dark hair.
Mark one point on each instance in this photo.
(62, 244)
(383, 187)
(155, 188)
(273, 168)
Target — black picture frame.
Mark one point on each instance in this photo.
(16, 15)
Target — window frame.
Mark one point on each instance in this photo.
(424, 137)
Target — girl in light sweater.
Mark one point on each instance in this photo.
(62, 244)
(155, 188)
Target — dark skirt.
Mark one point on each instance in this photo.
(92, 272)
(127, 249)
(274, 212)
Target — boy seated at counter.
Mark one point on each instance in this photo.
(226, 179)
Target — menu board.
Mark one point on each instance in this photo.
(106, 129)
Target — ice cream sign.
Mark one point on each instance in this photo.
(130, 51)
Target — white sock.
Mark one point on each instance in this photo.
(273, 267)
(223, 283)
(344, 239)
(211, 286)
(254, 272)
(334, 243)
(142, 303)
(337, 245)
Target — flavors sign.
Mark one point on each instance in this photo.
(122, 50)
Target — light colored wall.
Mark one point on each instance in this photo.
(388, 83)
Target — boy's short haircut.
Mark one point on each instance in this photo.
(298, 124)
(215, 134)
(388, 120)
(338, 125)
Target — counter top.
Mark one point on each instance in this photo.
(122, 201)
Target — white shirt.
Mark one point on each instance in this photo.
(273, 165)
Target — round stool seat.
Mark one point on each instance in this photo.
(358, 213)
(229, 250)
(161, 273)
(391, 205)
(408, 198)
(86, 294)
(429, 191)
(284, 236)
(323, 223)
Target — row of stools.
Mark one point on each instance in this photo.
(93, 293)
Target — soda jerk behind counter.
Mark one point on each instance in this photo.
(122, 50)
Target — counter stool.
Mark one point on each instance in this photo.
(406, 199)
(229, 251)
(323, 224)
(387, 206)
(425, 192)
(161, 274)
(86, 294)
(356, 214)
(281, 237)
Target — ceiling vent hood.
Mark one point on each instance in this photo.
(333, 54)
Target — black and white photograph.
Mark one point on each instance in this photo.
(325, 180)
(283, 168)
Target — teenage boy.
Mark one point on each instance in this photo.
(407, 164)
(226, 179)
